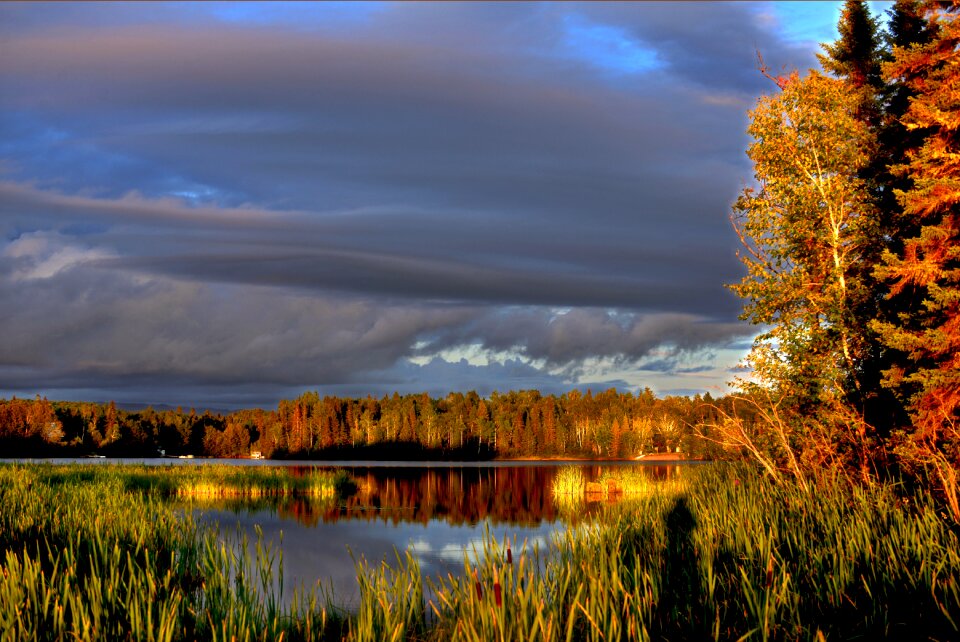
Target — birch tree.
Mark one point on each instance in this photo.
(806, 227)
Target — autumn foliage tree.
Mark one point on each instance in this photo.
(927, 336)
(852, 249)
(806, 228)
(24, 420)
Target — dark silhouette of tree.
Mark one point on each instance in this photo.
(855, 55)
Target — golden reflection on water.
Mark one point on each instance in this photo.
(516, 495)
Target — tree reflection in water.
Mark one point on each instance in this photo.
(459, 496)
(438, 513)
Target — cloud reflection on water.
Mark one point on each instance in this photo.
(441, 515)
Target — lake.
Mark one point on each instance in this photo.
(439, 511)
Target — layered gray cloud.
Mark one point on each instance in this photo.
(239, 199)
(398, 253)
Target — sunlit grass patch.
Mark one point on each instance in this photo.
(221, 480)
(569, 480)
(570, 486)
(637, 481)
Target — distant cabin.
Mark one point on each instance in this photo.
(256, 454)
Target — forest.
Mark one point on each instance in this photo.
(850, 236)
(608, 424)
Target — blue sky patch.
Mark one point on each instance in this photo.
(304, 14)
(607, 47)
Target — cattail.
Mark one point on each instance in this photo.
(479, 588)
(509, 555)
(496, 592)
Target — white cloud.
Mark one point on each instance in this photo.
(42, 255)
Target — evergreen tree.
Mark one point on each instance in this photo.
(884, 409)
(907, 28)
(855, 56)
(927, 336)
(855, 59)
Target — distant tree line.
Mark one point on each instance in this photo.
(608, 424)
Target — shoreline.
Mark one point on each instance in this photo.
(666, 457)
(662, 458)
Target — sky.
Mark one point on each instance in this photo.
(223, 205)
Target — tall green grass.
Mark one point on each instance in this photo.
(87, 555)
(732, 557)
(222, 480)
(728, 557)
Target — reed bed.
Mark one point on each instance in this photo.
(570, 487)
(224, 481)
(87, 555)
(731, 556)
(569, 480)
(567, 490)
(632, 481)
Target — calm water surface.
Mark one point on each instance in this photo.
(438, 511)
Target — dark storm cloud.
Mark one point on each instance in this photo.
(304, 122)
(67, 318)
(67, 321)
(396, 254)
(197, 197)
